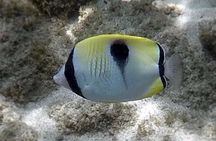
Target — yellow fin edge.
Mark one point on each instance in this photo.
(156, 88)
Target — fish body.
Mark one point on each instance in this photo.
(114, 68)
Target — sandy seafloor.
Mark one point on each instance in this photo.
(36, 39)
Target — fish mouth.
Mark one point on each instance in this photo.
(55, 78)
(58, 74)
(59, 77)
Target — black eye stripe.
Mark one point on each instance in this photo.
(70, 75)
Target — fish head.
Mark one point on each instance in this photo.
(60, 78)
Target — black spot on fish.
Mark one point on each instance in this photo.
(119, 51)
(70, 75)
(161, 65)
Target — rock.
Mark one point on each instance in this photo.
(14, 8)
(4, 37)
(17, 131)
(87, 117)
(66, 8)
(134, 18)
(207, 37)
(29, 64)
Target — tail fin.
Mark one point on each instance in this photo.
(173, 72)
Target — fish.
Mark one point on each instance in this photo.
(119, 68)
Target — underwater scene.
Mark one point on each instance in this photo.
(107, 70)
